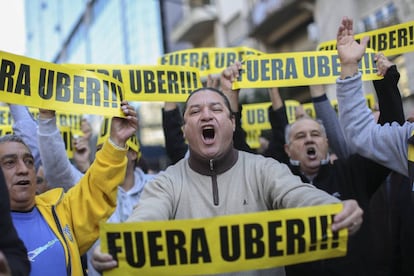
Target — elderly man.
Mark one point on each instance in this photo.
(57, 228)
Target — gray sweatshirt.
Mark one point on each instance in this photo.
(387, 144)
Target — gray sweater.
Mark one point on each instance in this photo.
(254, 183)
(386, 144)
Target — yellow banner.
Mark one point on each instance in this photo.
(35, 83)
(255, 117)
(393, 40)
(209, 61)
(151, 82)
(62, 120)
(297, 69)
(224, 244)
(5, 129)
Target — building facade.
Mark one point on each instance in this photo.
(277, 26)
(140, 31)
(100, 32)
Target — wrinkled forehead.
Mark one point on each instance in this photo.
(12, 147)
(205, 97)
(305, 124)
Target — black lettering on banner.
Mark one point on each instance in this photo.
(5, 132)
(264, 69)
(256, 116)
(230, 247)
(219, 60)
(62, 87)
(114, 93)
(274, 238)
(105, 93)
(199, 246)
(7, 71)
(2, 117)
(130, 250)
(172, 78)
(324, 231)
(259, 69)
(310, 111)
(93, 86)
(103, 71)
(313, 234)
(23, 80)
(78, 89)
(183, 59)
(335, 236)
(320, 66)
(116, 74)
(136, 82)
(396, 38)
(323, 66)
(175, 246)
(327, 47)
(67, 139)
(291, 71)
(149, 82)
(253, 240)
(154, 248)
(46, 83)
(411, 36)
(113, 249)
(295, 230)
(161, 82)
(242, 54)
(72, 121)
(194, 60)
(204, 62)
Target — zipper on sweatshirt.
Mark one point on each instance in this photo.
(214, 183)
(69, 264)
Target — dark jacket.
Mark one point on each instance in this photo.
(10, 243)
(354, 177)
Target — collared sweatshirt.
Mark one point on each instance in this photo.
(239, 182)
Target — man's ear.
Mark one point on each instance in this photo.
(183, 130)
(287, 150)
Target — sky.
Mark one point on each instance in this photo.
(12, 26)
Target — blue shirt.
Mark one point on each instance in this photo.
(45, 252)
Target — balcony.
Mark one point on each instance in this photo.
(271, 21)
(196, 24)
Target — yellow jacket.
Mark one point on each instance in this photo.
(74, 216)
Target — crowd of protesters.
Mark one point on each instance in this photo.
(54, 204)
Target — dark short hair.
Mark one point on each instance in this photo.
(13, 138)
(226, 100)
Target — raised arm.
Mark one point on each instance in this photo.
(227, 77)
(59, 171)
(388, 93)
(278, 121)
(172, 122)
(326, 113)
(387, 144)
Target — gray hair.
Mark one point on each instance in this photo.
(13, 138)
(288, 128)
